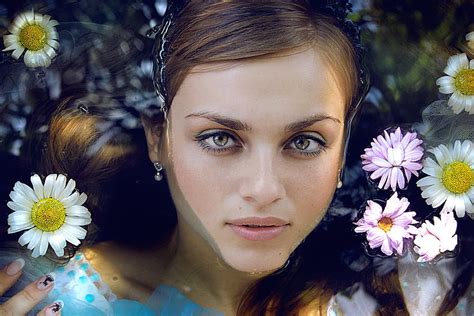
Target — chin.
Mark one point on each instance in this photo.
(255, 261)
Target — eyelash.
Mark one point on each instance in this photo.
(201, 139)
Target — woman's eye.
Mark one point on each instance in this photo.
(217, 141)
(307, 145)
(220, 140)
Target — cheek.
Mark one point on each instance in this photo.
(313, 193)
(197, 180)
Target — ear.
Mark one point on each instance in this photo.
(153, 132)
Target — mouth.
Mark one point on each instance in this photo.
(258, 229)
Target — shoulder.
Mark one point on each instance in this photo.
(104, 258)
(125, 270)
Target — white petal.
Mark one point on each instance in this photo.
(18, 24)
(29, 16)
(468, 203)
(46, 19)
(456, 150)
(70, 200)
(455, 101)
(52, 42)
(43, 246)
(26, 191)
(50, 23)
(439, 199)
(426, 181)
(459, 207)
(456, 63)
(49, 51)
(21, 199)
(465, 150)
(26, 237)
(439, 154)
(36, 59)
(19, 228)
(58, 243)
(17, 207)
(9, 40)
(82, 199)
(470, 37)
(35, 238)
(446, 85)
(77, 221)
(17, 52)
(49, 184)
(19, 218)
(37, 186)
(449, 204)
(68, 235)
(59, 186)
(432, 191)
(76, 231)
(79, 211)
(71, 185)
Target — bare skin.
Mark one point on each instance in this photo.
(23, 302)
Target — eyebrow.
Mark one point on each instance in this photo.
(242, 126)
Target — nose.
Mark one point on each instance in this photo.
(261, 185)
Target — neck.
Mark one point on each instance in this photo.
(198, 272)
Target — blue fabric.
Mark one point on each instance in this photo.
(169, 301)
(83, 292)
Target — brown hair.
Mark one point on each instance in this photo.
(209, 32)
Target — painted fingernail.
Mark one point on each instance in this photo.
(15, 266)
(45, 281)
(54, 308)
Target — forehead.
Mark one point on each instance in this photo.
(293, 84)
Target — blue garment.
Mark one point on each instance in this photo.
(83, 292)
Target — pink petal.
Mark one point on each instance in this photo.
(386, 247)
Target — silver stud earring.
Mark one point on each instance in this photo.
(339, 181)
(159, 169)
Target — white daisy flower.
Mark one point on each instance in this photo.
(459, 82)
(51, 213)
(450, 179)
(34, 33)
(470, 40)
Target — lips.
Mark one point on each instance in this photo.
(257, 228)
(259, 221)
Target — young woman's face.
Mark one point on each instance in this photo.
(252, 153)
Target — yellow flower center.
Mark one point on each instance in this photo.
(48, 214)
(385, 223)
(464, 81)
(458, 177)
(33, 37)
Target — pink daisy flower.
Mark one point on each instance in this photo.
(387, 228)
(433, 239)
(393, 158)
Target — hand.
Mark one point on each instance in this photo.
(24, 301)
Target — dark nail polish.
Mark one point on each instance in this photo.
(54, 308)
(45, 281)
